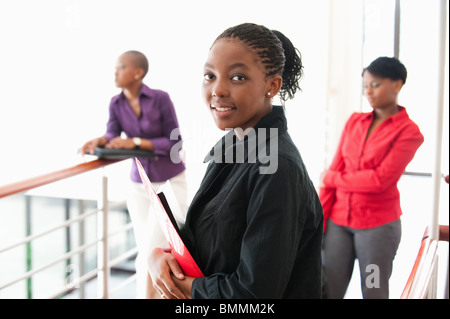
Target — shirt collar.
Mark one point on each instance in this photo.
(144, 90)
(400, 116)
(274, 120)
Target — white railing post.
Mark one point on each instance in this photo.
(81, 242)
(437, 174)
(102, 247)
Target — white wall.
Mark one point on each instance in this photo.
(344, 70)
(58, 59)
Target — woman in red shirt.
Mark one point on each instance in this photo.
(359, 195)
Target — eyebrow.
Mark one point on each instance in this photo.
(231, 67)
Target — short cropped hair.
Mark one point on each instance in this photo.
(139, 60)
(386, 67)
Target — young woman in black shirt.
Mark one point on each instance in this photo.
(255, 225)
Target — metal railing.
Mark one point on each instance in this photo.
(422, 281)
(104, 206)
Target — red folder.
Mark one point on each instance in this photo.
(169, 228)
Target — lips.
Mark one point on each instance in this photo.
(222, 107)
(225, 114)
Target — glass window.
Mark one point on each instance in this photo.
(378, 29)
(419, 49)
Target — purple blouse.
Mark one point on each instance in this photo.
(156, 123)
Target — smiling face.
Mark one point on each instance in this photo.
(235, 86)
(381, 93)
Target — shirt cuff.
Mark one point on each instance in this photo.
(109, 136)
(205, 288)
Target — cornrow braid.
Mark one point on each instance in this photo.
(276, 52)
(293, 68)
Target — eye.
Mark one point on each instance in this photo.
(372, 85)
(238, 77)
(208, 76)
(375, 84)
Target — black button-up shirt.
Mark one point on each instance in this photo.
(256, 233)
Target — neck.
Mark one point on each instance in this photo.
(132, 91)
(386, 112)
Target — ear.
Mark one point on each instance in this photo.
(398, 86)
(138, 74)
(273, 86)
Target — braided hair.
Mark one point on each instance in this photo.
(276, 51)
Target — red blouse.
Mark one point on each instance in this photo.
(361, 184)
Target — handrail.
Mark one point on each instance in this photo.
(104, 264)
(423, 264)
(45, 179)
(443, 232)
(417, 265)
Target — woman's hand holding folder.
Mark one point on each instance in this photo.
(167, 276)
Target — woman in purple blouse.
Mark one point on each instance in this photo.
(148, 119)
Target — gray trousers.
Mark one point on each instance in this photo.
(375, 249)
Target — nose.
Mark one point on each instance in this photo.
(220, 89)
